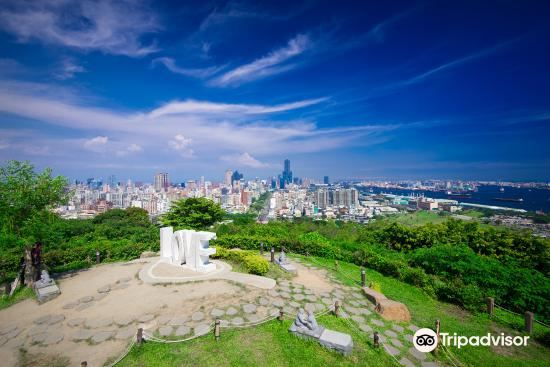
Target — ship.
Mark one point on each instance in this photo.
(511, 200)
(459, 195)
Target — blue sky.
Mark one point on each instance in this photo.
(348, 89)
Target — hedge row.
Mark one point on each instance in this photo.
(254, 264)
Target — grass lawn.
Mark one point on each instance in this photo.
(21, 293)
(417, 218)
(269, 344)
(425, 310)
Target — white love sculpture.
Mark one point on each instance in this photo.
(187, 248)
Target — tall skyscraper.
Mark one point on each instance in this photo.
(287, 173)
(326, 180)
(161, 181)
(228, 175)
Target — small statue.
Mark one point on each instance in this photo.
(44, 280)
(282, 257)
(305, 323)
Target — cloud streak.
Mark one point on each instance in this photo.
(200, 73)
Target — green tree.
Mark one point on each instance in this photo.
(193, 213)
(24, 192)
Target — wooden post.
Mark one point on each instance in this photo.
(337, 308)
(261, 248)
(376, 339)
(336, 264)
(83, 364)
(281, 315)
(529, 318)
(97, 257)
(139, 336)
(217, 329)
(490, 306)
(273, 254)
(363, 277)
(7, 288)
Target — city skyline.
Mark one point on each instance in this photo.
(407, 90)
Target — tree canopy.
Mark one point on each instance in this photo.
(25, 192)
(193, 213)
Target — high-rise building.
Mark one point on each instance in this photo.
(321, 198)
(228, 175)
(161, 181)
(287, 173)
(326, 180)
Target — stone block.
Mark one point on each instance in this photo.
(338, 341)
(47, 293)
(373, 296)
(393, 310)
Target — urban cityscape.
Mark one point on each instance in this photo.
(240, 183)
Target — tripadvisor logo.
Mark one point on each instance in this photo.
(425, 340)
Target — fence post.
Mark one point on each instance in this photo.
(273, 254)
(139, 336)
(529, 318)
(376, 339)
(437, 330)
(490, 306)
(336, 264)
(97, 257)
(281, 315)
(337, 308)
(83, 364)
(363, 277)
(217, 329)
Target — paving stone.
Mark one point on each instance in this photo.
(357, 319)
(85, 299)
(413, 328)
(53, 338)
(284, 295)
(178, 320)
(165, 330)
(82, 334)
(182, 330)
(146, 318)
(123, 280)
(344, 315)
(294, 304)
(3, 340)
(297, 290)
(284, 289)
(396, 342)
(381, 337)
(417, 354)
(273, 293)
(354, 303)
(70, 305)
(224, 323)
(237, 321)
(325, 294)
(39, 338)
(123, 320)
(357, 295)
(320, 307)
(14, 333)
(391, 350)
(253, 317)
(201, 329)
(99, 297)
(308, 291)
(104, 289)
(409, 338)
(98, 323)
(216, 312)
(361, 302)
(311, 298)
(76, 322)
(102, 336)
(249, 308)
(16, 343)
(406, 363)
(377, 322)
(299, 297)
(278, 303)
(398, 328)
(263, 301)
(197, 316)
(55, 319)
(125, 333)
(84, 306)
(231, 311)
(390, 333)
(429, 364)
(42, 320)
(366, 328)
(39, 329)
(164, 319)
(9, 329)
(353, 310)
(327, 301)
(121, 286)
(309, 307)
(364, 311)
(289, 310)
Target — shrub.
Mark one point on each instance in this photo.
(253, 263)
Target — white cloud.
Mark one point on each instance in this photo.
(132, 148)
(200, 73)
(96, 144)
(182, 145)
(113, 27)
(204, 107)
(69, 68)
(244, 160)
(271, 64)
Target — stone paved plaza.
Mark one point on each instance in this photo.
(99, 311)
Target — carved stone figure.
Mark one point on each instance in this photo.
(44, 280)
(305, 323)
